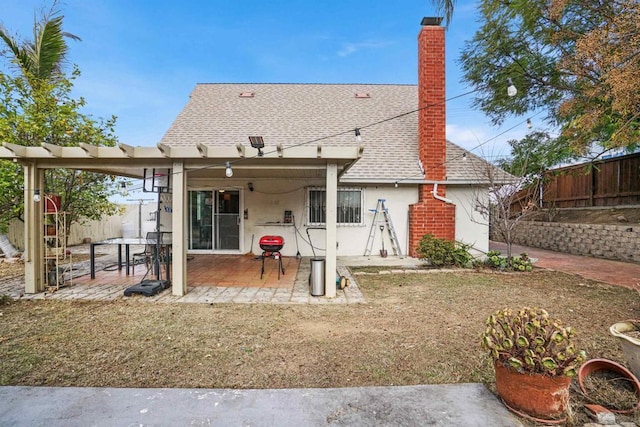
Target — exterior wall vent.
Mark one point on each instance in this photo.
(247, 94)
(362, 95)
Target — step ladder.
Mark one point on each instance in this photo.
(381, 218)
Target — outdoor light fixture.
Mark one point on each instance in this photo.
(228, 171)
(511, 88)
(358, 137)
(250, 185)
(257, 142)
(36, 195)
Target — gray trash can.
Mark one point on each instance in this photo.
(316, 278)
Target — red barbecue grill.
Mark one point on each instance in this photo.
(271, 246)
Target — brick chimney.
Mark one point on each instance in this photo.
(431, 215)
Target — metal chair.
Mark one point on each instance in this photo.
(149, 252)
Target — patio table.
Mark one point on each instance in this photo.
(126, 242)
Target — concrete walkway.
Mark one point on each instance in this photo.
(603, 270)
(451, 405)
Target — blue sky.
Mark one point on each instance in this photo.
(140, 59)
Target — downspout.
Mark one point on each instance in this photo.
(438, 197)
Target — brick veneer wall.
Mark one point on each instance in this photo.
(430, 216)
(617, 242)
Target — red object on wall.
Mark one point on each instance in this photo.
(52, 203)
(430, 215)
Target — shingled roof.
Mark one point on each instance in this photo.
(292, 114)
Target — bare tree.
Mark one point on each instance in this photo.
(507, 199)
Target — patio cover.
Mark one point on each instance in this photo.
(199, 160)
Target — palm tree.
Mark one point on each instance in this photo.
(43, 58)
(445, 7)
(38, 61)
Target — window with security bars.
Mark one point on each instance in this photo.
(349, 209)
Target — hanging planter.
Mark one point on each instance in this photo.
(610, 385)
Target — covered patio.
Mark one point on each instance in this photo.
(197, 163)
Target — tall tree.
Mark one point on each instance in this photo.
(576, 59)
(43, 58)
(37, 107)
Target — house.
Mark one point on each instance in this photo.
(307, 162)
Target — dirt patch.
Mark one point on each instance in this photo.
(414, 329)
(618, 216)
(11, 268)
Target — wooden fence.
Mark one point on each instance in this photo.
(610, 182)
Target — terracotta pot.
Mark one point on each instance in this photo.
(50, 230)
(594, 365)
(539, 396)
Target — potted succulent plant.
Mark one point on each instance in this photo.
(534, 358)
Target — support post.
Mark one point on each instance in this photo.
(33, 230)
(331, 225)
(178, 228)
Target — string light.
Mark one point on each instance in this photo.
(529, 124)
(511, 88)
(36, 195)
(229, 171)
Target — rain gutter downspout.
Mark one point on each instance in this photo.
(438, 197)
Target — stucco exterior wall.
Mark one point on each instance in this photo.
(472, 227)
(265, 208)
(267, 203)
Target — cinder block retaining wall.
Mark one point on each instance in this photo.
(617, 242)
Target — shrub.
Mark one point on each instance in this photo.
(516, 263)
(442, 252)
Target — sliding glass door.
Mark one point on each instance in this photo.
(214, 220)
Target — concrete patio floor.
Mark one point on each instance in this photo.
(211, 279)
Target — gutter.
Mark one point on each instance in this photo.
(438, 197)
